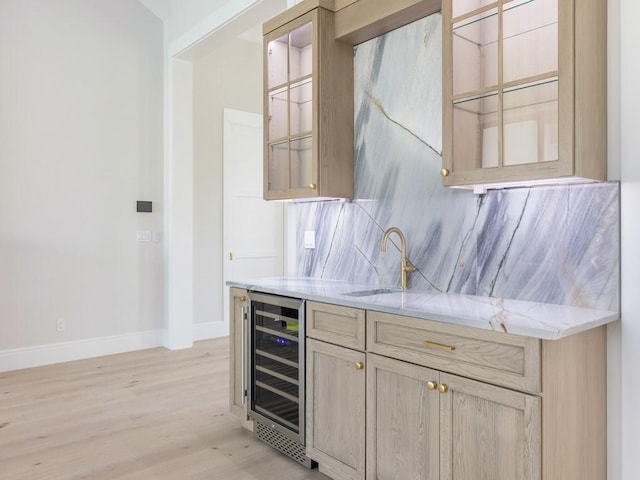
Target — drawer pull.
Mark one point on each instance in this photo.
(431, 385)
(359, 365)
(442, 388)
(439, 346)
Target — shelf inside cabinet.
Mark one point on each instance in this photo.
(529, 38)
(475, 52)
(527, 132)
(521, 33)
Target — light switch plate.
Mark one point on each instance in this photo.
(143, 235)
(310, 239)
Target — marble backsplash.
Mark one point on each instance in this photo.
(551, 244)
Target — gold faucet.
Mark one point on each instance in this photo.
(404, 265)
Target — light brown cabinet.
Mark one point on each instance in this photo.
(488, 432)
(524, 91)
(509, 406)
(426, 424)
(308, 105)
(335, 419)
(395, 397)
(336, 409)
(238, 338)
(403, 421)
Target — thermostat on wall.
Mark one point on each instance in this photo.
(143, 206)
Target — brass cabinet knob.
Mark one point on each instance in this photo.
(243, 298)
(444, 172)
(442, 388)
(359, 365)
(312, 186)
(432, 385)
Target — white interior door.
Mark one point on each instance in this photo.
(253, 228)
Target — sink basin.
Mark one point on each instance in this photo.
(367, 293)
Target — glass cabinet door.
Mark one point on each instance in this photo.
(290, 108)
(504, 92)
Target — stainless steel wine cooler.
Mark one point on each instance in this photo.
(277, 373)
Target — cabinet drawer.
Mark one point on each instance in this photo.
(509, 360)
(335, 324)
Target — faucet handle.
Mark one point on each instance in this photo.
(409, 267)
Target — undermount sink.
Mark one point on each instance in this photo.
(367, 293)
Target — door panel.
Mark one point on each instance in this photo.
(488, 432)
(402, 421)
(336, 409)
(253, 228)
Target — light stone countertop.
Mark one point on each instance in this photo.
(539, 320)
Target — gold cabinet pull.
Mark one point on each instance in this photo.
(359, 365)
(444, 172)
(243, 298)
(439, 346)
(442, 388)
(230, 255)
(312, 186)
(431, 385)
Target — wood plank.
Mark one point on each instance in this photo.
(363, 20)
(340, 4)
(574, 425)
(335, 324)
(294, 12)
(145, 415)
(495, 357)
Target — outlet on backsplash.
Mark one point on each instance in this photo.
(310, 239)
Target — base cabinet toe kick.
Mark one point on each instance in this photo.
(390, 397)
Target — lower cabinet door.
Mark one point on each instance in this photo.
(335, 435)
(488, 432)
(402, 421)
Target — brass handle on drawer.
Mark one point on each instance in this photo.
(243, 298)
(442, 388)
(359, 365)
(431, 385)
(444, 172)
(439, 346)
(312, 186)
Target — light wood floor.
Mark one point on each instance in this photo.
(152, 414)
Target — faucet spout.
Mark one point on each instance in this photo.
(405, 266)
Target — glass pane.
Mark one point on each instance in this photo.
(272, 365)
(530, 30)
(301, 107)
(531, 124)
(301, 51)
(460, 7)
(278, 166)
(277, 407)
(475, 53)
(278, 113)
(301, 163)
(475, 133)
(277, 62)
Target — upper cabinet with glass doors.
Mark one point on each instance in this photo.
(308, 106)
(524, 91)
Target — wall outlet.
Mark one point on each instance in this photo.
(310, 239)
(61, 325)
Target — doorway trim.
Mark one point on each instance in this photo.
(229, 21)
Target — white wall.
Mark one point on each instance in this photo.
(80, 142)
(630, 195)
(231, 77)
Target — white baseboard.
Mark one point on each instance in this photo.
(38, 355)
(203, 331)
